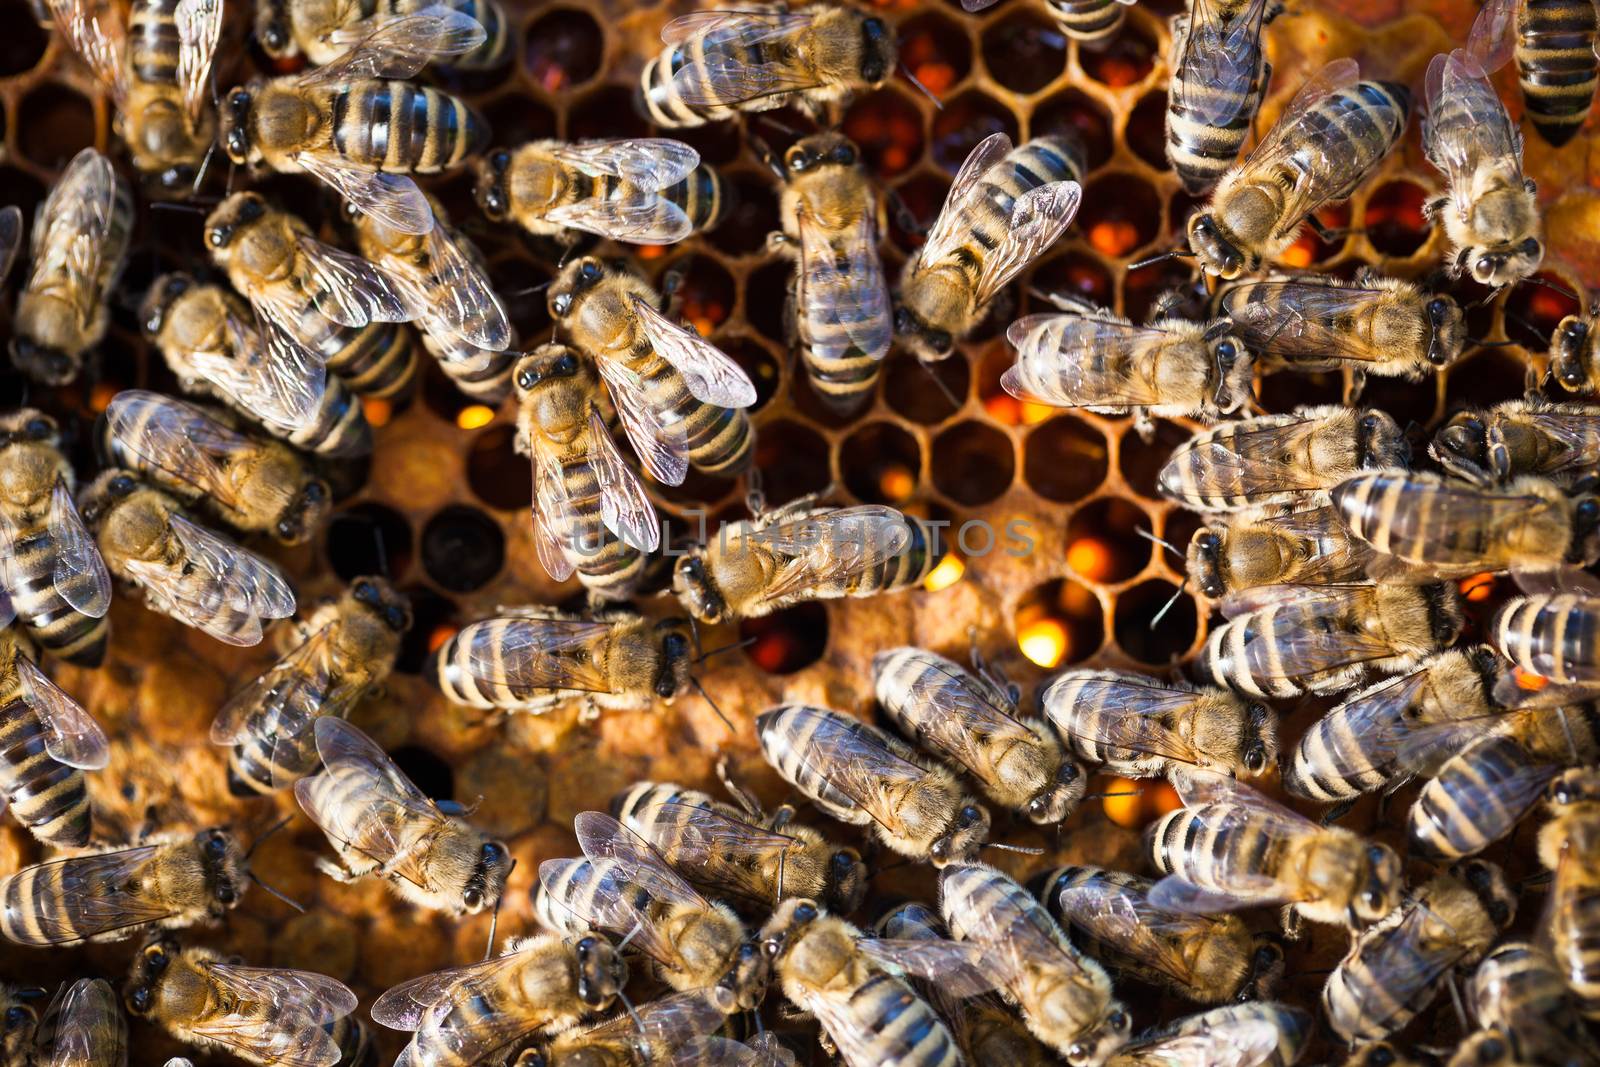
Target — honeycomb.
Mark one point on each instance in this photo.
(442, 505)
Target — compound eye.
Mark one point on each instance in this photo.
(1210, 542)
(1576, 329)
(1588, 510)
(1227, 352)
(216, 845)
(562, 303)
(798, 160)
(940, 340)
(472, 898)
(16, 1017)
(567, 365)
(970, 816)
(121, 485)
(500, 160)
(675, 644)
(805, 912)
(396, 619)
(239, 99)
(364, 592)
(39, 429)
(1530, 247)
(140, 999)
(526, 380)
(1255, 758)
(238, 145)
(219, 236)
(1038, 808)
(225, 894)
(493, 852)
(1438, 308)
(590, 271)
(903, 322)
(845, 155)
(287, 529)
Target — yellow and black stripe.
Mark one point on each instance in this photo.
(401, 128)
(48, 797)
(607, 566)
(1554, 636)
(482, 375)
(51, 622)
(1201, 151)
(1088, 21)
(1556, 64)
(719, 439)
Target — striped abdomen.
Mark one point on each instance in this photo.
(793, 738)
(1389, 976)
(703, 196)
(153, 42)
(1046, 887)
(1551, 636)
(496, 46)
(54, 624)
(975, 900)
(47, 797)
(1202, 151)
(484, 376)
(574, 895)
(266, 757)
(660, 100)
(1335, 762)
(1209, 846)
(607, 567)
(718, 438)
(376, 360)
(1353, 129)
(401, 128)
(1556, 64)
(1574, 930)
(1027, 167)
(1088, 20)
(904, 569)
(356, 1046)
(900, 1027)
(338, 427)
(1426, 522)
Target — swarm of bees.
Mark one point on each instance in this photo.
(1342, 552)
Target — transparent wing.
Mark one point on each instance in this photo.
(1466, 131)
(1433, 506)
(1038, 218)
(1240, 1042)
(460, 297)
(410, 1005)
(624, 508)
(601, 893)
(90, 1029)
(287, 1013)
(10, 240)
(711, 375)
(1220, 56)
(1122, 918)
(603, 838)
(662, 446)
(78, 897)
(1411, 957)
(1300, 319)
(77, 573)
(71, 734)
(1295, 145)
(948, 231)
(958, 967)
(1379, 717)
(393, 199)
(199, 25)
(179, 439)
(96, 32)
(743, 55)
(270, 371)
(398, 47)
(221, 588)
(554, 516)
(1498, 790)
(1232, 467)
(537, 653)
(832, 546)
(348, 289)
(1493, 39)
(70, 231)
(1069, 360)
(447, 1036)
(289, 695)
(663, 1024)
(725, 850)
(841, 290)
(639, 218)
(861, 1044)
(1139, 727)
(1309, 634)
(852, 768)
(1014, 929)
(975, 721)
(1245, 890)
(650, 163)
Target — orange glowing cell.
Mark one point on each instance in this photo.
(650, 251)
(475, 416)
(1117, 73)
(100, 396)
(377, 410)
(1004, 409)
(1033, 414)
(1550, 305)
(1530, 682)
(896, 482)
(895, 158)
(946, 574)
(703, 325)
(937, 77)
(1122, 803)
(1114, 237)
(1044, 642)
(1478, 587)
(1300, 253)
(771, 651)
(1091, 558)
(439, 635)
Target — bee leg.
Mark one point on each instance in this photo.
(755, 498)
(1144, 426)
(1337, 812)
(741, 796)
(765, 155)
(1358, 382)
(1328, 234)
(335, 871)
(1432, 209)
(1290, 922)
(1272, 12)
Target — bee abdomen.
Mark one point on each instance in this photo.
(153, 41)
(402, 128)
(1463, 809)
(903, 1026)
(356, 1047)
(57, 626)
(1200, 151)
(1330, 763)
(1556, 64)
(1575, 941)
(264, 756)
(1551, 636)
(376, 360)
(48, 797)
(1088, 20)
(338, 427)
(1365, 1000)
(907, 568)
(718, 438)
(482, 375)
(703, 196)
(606, 565)
(496, 46)
(1359, 124)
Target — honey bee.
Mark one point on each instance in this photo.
(1334, 132)
(318, 305)
(215, 346)
(535, 658)
(263, 1015)
(646, 190)
(1373, 325)
(1229, 847)
(171, 881)
(1568, 846)
(1491, 214)
(1554, 44)
(440, 277)
(1065, 997)
(1551, 636)
(1422, 524)
(1142, 727)
(80, 243)
(159, 77)
(673, 1029)
(1219, 75)
(1516, 437)
(1092, 358)
(352, 125)
(801, 552)
(1395, 967)
(591, 514)
(47, 741)
(250, 484)
(1575, 353)
(1258, 1034)
(860, 775)
(19, 1022)
(840, 302)
(466, 1015)
(1206, 958)
(626, 888)
(380, 824)
(1518, 993)
(718, 63)
(681, 400)
(1005, 208)
(342, 652)
(83, 1027)
(971, 721)
(1286, 640)
(746, 854)
(1274, 546)
(323, 30)
(50, 570)
(1281, 459)
(1478, 795)
(198, 577)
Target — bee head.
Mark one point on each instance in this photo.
(693, 585)
(305, 513)
(490, 188)
(547, 364)
(1379, 440)
(1205, 562)
(845, 885)
(1447, 331)
(233, 125)
(177, 178)
(1567, 348)
(1056, 801)
(1585, 530)
(235, 213)
(673, 677)
(29, 426)
(925, 342)
(602, 972)
(576, 278)
(490, 868)
(1217, 254)
(1233, 367)
(158, 300)
(42, 360)
(222, 865)
(878, 52)
(1267, 966)
(820, 150)
(381, 597)
(157, 953)
(1095, 1044)
(1507, 265)
(788, 920)
(744, 984)
(1488, 883)
(272, 30)
(1578, 785)
(103, 492)
(1380, 886)
(966, 833)
(1462, 445)
(1259, 751)
(19, 1022)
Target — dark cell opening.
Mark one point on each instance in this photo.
(1147, 131)
(60, 123)
(1533, 311)
(965, 121)
(1393, 218)
(1057, 623)
(793, 460)
(563, 49)
(516, 119)
(923, 392)
(369, 539)
(1170, 638)
(1073, 274)
(497, 475)
(766, 292)
(881, 463)
(1124, 61)
(1141, 462)
(973, 463)
(1025, 51)
(752, 217)
(1072, 112)
(27, 39)
(433, 621)
(1064, 459)
(1120, 213)
(462, 549)
(427, 771)
(787, 641)
(936, 51)
(606, 112)
(888, 129)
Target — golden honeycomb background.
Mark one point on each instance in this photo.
(442, 506)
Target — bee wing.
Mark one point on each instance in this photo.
(10, 240)
(976, 720)
(1237, 1043)
(649, 163)
(1493, 39)
(395, 200)
(1014, 929)
(397, 47)
(77, 573)
(1379, 716)
(662, 446)
(78, 897)
(816, 549)
(710, 374)
(71, 734)
(290, 1030)
(851, 769)
(624, 508)
(861, 1044)
(948, 231)
(724, 1052)
(70, 230)
(348, 289)
(538, 653)
(97, 33)
(603, 838)
(1220, 59)
(199, 25)
(729, 70)
(958, 967)
(1124, 919)
(453, 299)
(1061, 361)
(1233, 469)
(841, 290)
(553, 516)
(423, 1002)
(1294, 145)
(665, 1023)
(607, 899)
(230, 576)
(1409, 958)
(268, 371)
(640, 218)
(1466, 131)
(1038, 218)
(724, 849)
(1456, 506)
(1138, 729)
(180, 440)
(1301, 323)
(89, 1027)
(290, 695)
(1308, 635)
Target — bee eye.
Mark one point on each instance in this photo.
(526, 380)
(590, 271)
(15, 1017)
(939, 340)
(156, 959)
(121, 485)
(225, 894)
(567, 365)
(274, 38)
(1382, 1056)
(1588, 510)
(472, 898)
(219, 236)
(805, 912)
(845, 155)
(1255, 758)
(903, 321)
(675, 644)
(364, 592)
(1118, 1020)
(798, 160)
(970, 816)
(1227, 352)
(500, 160)
(216, 845)
(38, 429)
(240, 99)
(287, 530)
(140, 999)
(238, 143)
(493, 852)
(562, 303)
(1530, 247)
(1437, 309)
(396, 619)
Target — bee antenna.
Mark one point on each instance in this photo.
(274, 828)
(1176, 253)
(295, 904)
(533, 289)
(631, 933)
(943, 388)
(228, 189)
(1534, 279)
(494, 919)
(1123, 793)
(779, 126)
(383, 550)
(205, 165)
(627, 1005)
(698, 688)
(173, 205)
(1488, 298)
(1171, 600)
(1153, 539)
(1015, 848)
(923, 89)
(735, 646)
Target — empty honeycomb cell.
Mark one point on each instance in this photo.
(1533, 311)
(28, 38)
(563, 50)
(1408, 402)
(513, 789)
(1393, 218)
(1104, 544)
(1120, 213)
(1141, 461)
(516, 119)
(963, 122)
(1309, 247)
(718, 143)
(20, 187)
(1058, 622)
(1147, 130)
(462, 549)
(433, 620)
(369, 538)
(972, 463)
(427, 770)
(1064, 459)
(753, 217)
(936, 50)
(1485, 377)
(766, 292)
(913, 207)
(758, 364)
(60, 124)
(1178, 528)
(1074, 113)
(1285, 390)
(704, 296)
(880, 463)
(1073, 274)
(520, 286)
(606, 112)
(496, 474)
(925, 392)
(1140, 636)
(793, 460)
(786, 641)
(697, 489)
(445, 400)
(887, 127)
(1127, 58)
(1024, 50)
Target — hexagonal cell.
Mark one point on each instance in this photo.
(21, 188)
(925, 392)
(369, 539)
(880, 463)
(887, 127)
(1393, 218)
(965, 121)
(433, 621)
(1024, 50)
(1072, 111)
(60, 124)
(758, 363)
(973, 463)
(1057, 623)
(520, 284)
(697, 490)
(1167, 640)
(1533, 311)
(1310, 248)
(462, 548)
(1072, 274)
(495, 473)
(936, 50)
(1120, 213)
(1141, 461)
(766, 292)
(563, 49)
(753, 216)
(1064, 459)
(427, 770)
(516, 119)
(1104, 544)
(1147, 130)
(27, 38)
(606, 112)
(1483, 378)
(913, 207)
(1407, 401)
(793, 460)
(718, 143)
(1125, 60)
(787, 641)
(704, 298)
